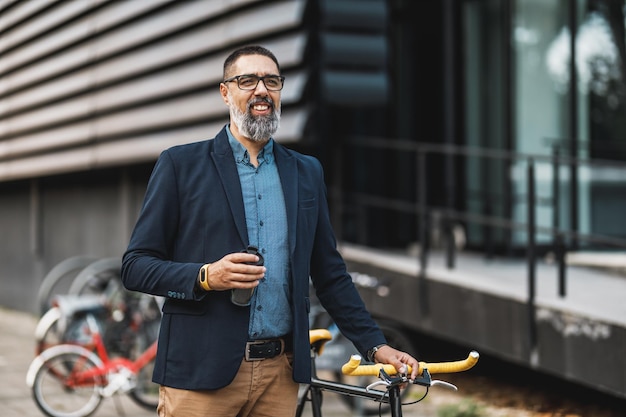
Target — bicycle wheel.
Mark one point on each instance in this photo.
(47, 332)
(63, 382)
(59, 279)
(398, 340)
(97, 277)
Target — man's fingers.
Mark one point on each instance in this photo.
(234, 271)
(242, 263)
(242, 258)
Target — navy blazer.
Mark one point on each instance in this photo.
(193, 214)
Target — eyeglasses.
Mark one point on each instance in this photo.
(248, 82)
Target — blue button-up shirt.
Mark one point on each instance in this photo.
(266, 220)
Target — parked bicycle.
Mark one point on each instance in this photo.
(91, 310)
(125, 319)
(389, 379)
(71, 289)
(69, 380)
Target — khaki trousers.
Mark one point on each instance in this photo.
(262, 388)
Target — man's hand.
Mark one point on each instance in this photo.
(397, 358)
(233, 271)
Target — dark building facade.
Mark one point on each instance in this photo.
(423, 113)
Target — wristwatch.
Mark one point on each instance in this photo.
(371, 354)
(203, 277)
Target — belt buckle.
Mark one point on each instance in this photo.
(248, 344)
(262, 342)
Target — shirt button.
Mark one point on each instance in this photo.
(260, 196)
(261, 223)
(259, 308)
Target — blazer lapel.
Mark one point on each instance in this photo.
(227, 170)
(288, 171)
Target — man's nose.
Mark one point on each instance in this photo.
(260, 87)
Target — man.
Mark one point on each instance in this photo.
(206, 203)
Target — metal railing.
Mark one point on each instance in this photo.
(562, 239)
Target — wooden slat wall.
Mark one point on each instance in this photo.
(88, 84)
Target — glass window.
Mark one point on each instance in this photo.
(485, 106)
(520, 71)
(540, 103)
(599, 100)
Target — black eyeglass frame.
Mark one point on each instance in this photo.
(259, 78)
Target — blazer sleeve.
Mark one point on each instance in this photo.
(147, 264)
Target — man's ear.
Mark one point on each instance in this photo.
(224, 93)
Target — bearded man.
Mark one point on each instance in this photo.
(230, 232)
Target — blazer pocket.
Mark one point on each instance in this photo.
(307, 204)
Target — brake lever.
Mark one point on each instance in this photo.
(443, 384)
(371, 386)
(427, 381)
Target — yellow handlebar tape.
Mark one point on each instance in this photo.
(354, 367)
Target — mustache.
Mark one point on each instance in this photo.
(257, 100)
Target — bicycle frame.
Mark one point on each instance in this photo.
(116, 364)
(313, 392)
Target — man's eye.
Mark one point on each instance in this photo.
(272, 82)
(247, 81)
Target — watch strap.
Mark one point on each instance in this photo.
(203, 277)
(371, 354)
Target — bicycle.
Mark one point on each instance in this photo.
(123, 316)
(389, 379)
(69, 380)
(74, 287)
(339, 348)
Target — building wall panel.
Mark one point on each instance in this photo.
(74, 76)
(92, 91)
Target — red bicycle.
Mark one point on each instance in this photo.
(69, 380)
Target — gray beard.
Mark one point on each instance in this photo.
(259, 128)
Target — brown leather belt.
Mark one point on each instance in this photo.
(258, 350)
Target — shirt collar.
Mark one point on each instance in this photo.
(241, 153)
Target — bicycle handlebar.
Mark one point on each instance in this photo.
(354, 367)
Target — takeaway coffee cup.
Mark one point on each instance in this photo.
(241, 296)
